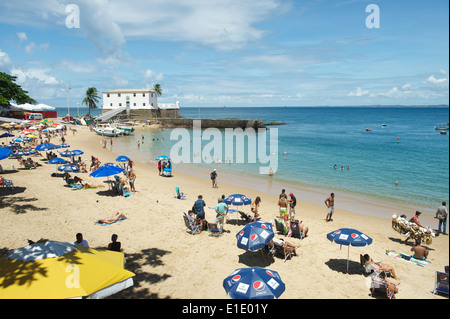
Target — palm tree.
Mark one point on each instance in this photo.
(158, 90)
(91, 99)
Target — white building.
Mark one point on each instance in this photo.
(141, 103)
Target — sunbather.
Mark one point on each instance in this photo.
(287, 246)
(381, 267)
(112, 220)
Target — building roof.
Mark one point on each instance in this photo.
(131, 91)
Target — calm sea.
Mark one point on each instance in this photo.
(407, 149)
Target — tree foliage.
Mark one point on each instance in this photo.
(9, 90)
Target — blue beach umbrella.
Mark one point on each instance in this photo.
(254, 283)
(347, 237)
(66, 153)
(17, 140)
(122, 158)
(4, 152)
(163, 158)
(238, 200)
(255, 236)
(45, 147)
(20, 153)
(69, 168)
(106, 170)
(6, 135)
(64, 145)
(57, 160)
(77, 152)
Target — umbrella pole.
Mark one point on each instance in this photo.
(348, 256)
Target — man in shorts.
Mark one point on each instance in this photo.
(214, 178)
(221, 211)
(199, 210)
(330, 205)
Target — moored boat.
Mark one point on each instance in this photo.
(441, 126)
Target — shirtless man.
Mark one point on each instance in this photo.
(330, 204)
(420, 252)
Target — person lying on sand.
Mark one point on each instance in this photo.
(111, 220)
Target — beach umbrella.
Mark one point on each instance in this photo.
(67, 153)
(45, 147)
(57, 160)
(64, 145)
(254, 283)
(163, 158)
(56, 270)
(77, 152)
(4, 135)
(12, 146)
(20, 153)
(4, 152)
(69, 168)
(17, 140)
(106, 170)
(238, 200)
(255, 236)
(122, 158)
(347, 237)
(46, 121)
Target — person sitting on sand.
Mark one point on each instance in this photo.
(114, 245)
(80, 241)
(420, 252)
(112, 220)
(380, 267)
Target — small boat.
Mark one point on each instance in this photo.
(444, 132)
(124, 127)
(441, 126)
(368, 129)
(383, 125)
(108, 131)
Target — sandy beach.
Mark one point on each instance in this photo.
(163, 255)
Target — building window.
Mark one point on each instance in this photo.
(118, 94)
(120, 104)
(110, 104)
(134, 104)
(143, 104)
(107, 95)
(152, 104)
(134, 94)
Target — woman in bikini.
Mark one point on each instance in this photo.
(111, 220)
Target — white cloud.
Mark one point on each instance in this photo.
(431, 79)
(359, 92)
(150, 75)
(25, 76)
(5, 60)
(22, 36)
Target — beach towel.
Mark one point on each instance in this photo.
(407, 258)
(105, 224)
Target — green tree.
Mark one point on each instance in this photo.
(9, 90)
(91, 99)
(158, 90)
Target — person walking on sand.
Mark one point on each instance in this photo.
(330, 205)
(442, 214)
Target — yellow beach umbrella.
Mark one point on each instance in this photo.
(46, 121)
(30, 136)
(66, 271)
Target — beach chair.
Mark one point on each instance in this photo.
(280, 225)
(380, 286)
(214, 230)
(193, 229)
(370, 269)
(247, 218)
(295, 228)
(441, 284)
(179, 195)
(76, 186)
(7, 183)
(281, 251)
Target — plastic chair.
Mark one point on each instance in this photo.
(214, 230)
(295, 228)
(441, 284)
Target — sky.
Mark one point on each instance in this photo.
(234, 53)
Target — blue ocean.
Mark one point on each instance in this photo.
(330, 148)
